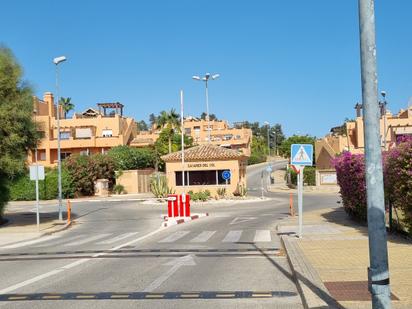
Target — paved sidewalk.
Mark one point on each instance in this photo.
(331, 260)
(22, 226)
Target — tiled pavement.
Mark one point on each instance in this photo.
(336, 248)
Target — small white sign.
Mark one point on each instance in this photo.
(171, 198)
(33, 172)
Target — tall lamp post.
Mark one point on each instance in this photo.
(382, 105)
(206, 79)
(378, 272)
(268, 125)
(57, 61)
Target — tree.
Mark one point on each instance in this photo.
(212, 117)
(129, 158)
(17, 129)
(142, 125)
(66, 105)
(277, 136)
(284, 148)
(169, 122)
(153, 119)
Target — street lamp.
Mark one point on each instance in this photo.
(57, 61)
(268, 125)
(382, 105)
(206, 79)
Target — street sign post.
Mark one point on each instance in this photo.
(226, 175)
(36, 174)
(301, 155)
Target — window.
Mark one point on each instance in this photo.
(188, 131)
(42, 155)
(64, 155)
(202, 178)
(41, 134)
(83, 133)
(84, 152)
(107, 133)
(64, 135)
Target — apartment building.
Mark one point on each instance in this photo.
(350, 137)
(92, 131)
(221, 134)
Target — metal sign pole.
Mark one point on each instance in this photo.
(300, 199)
(37, 193)
(183, 152)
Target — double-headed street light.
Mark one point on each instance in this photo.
(57, 61)
(206, 79)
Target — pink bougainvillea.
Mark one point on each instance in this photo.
(350, 172)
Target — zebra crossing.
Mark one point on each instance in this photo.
(232, 236)
(193, 237)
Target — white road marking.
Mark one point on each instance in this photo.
(203, 237)
(76, 263)
(262, 236)
(232, 236)
(30, 242)
(62, 241)
(86, 240)
(175, 236)
(117, 238)
(241, 220)
(176, 263)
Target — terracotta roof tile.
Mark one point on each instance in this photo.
(206, 152)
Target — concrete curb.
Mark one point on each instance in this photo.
(179, 220)
(59, 229)
(313, 292)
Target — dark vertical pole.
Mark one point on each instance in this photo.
(378, 272)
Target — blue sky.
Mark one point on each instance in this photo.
(292, 62)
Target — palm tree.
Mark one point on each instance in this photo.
(66, 105)
(169, 121)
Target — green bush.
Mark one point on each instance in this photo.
(159, 186)
(129, 158)
(85, 170)
(23, 189)
(309, 176)
(199, 196)
(118, 189)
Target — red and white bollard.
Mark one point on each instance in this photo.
(172, 206)
(184, 207)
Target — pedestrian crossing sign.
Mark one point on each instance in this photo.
(301, 154)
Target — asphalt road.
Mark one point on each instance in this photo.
(116, 256)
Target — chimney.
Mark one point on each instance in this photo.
(49, 100)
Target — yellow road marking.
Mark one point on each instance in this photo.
(225, 295)
(189, 295)
(119, 296)
(17, 297)
(85, 296)
(262, 295)
(154, 296)
(51, 296)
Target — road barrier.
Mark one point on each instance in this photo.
(69, 211)
(178, 206)
(291, 208)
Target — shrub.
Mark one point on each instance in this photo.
(241, 190)
(159, 186)
(350, 173)
(398, 179)
(309, 176)
(129, 158)
(118, 189)
(23, 189)
(85, 170)
(199, 196)
(221, 192)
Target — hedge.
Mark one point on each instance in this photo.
(23, 189)
(309, 176)
(397, 171)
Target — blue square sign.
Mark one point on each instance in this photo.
(301, 154)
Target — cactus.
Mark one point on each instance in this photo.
(159, 187)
